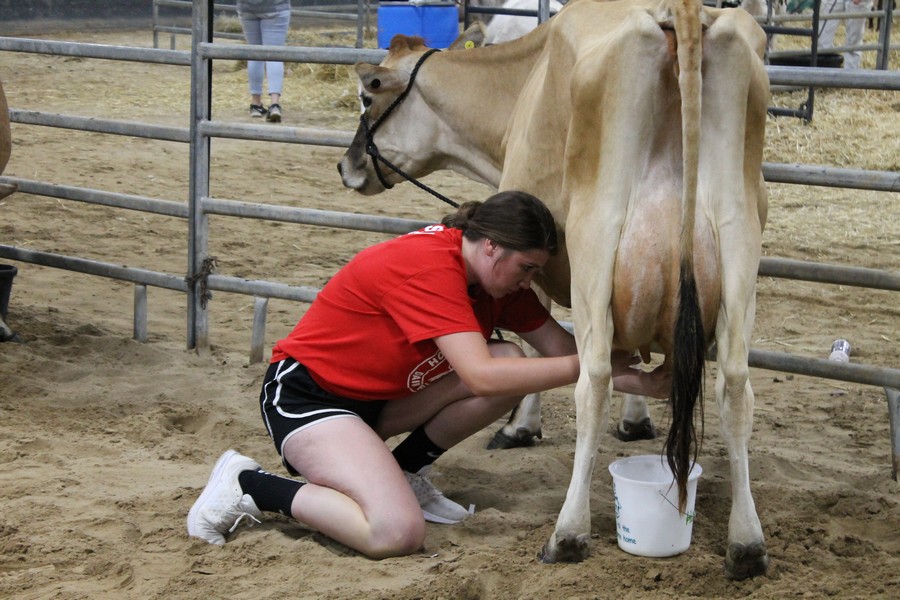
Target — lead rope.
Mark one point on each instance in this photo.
(372, 149)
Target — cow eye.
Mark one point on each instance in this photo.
(375, 83)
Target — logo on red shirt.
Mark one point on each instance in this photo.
(428, 371)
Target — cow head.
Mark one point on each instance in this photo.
(396, 122)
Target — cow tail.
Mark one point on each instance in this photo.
(682, 443)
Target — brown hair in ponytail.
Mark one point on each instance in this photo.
(513, 219)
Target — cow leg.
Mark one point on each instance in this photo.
(635, 423)
(570, 540)
(607, 138)
(5, 188)
(523, 427)
(734, 101)
(593, 331)
(746, 555)
(6, 334)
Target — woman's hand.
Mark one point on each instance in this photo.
(629, 378)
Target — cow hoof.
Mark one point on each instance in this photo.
(568, 548)
(630, 431)
(743, 562)
(522, 439)
(7, 334)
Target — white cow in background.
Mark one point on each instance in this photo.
(503, 28)
(760, 8)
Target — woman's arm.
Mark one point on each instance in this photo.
(487, 375)
(551, 339)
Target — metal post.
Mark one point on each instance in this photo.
(814, 56)
(155, 23)
(140, 313)
(893, 398)
(201, 109)
(884, 52)
(258, 335)
(360, 15)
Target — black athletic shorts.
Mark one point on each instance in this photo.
(291, 401)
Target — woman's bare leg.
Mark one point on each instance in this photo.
(356, 493)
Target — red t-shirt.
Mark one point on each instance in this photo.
(369, 333)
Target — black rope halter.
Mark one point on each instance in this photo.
(372, 149)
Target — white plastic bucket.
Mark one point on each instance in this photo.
(648, 522)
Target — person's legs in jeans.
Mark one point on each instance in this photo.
(274, 32)
(828, 28)
(854, 29)
(255, 68)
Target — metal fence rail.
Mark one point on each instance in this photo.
(769, 267)
(816, 175)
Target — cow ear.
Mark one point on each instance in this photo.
(472, 37)
(376, 79)
(405, 43)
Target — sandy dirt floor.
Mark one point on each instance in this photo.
(106, 442)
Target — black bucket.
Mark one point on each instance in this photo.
(7, 273)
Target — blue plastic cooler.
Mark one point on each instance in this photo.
(436, 22)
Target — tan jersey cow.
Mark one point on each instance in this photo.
(5, 144)
(641, 124)
(5, 189)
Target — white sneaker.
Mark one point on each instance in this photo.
(273, 115)
(435, 506)
(223, 505)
